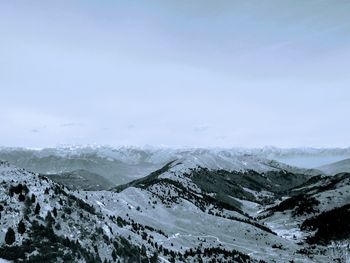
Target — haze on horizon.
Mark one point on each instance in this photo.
(176, 73)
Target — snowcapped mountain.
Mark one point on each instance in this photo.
(114, 168)
(124, 164)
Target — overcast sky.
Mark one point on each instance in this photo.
(176, 73)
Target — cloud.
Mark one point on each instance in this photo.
(38, 129)
(221, 137)
(71, 124)
(201, 128)
(35, 130)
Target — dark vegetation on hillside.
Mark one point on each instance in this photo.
(329, 226)
(232, 183)
(145, 180)
(318, 184)
(300, 204)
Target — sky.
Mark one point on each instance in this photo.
(199, 73)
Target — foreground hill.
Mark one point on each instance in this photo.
(43, 222)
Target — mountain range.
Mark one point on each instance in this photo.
(120, 165)
(197, 205)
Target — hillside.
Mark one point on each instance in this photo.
(336, 168)
(239, 196)
(317, 211)
(38, 215)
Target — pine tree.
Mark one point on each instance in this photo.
(33, 198)
(154, 258)
(25, 189)
(143, 250)
(21, 198)
(54, 211)
(114, 255)
(11, 191)
(28, 202)
(21, 227)
(10, 236)
(37, 209)
(27, 205)
(49, 219)
(18, 189)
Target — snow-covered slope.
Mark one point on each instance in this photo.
(228, 162)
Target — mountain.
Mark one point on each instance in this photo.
(233, 174)
(202, 206)
(247, 196)
(44, 221)
(57, 161)
(337, 167)
(81, 180)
